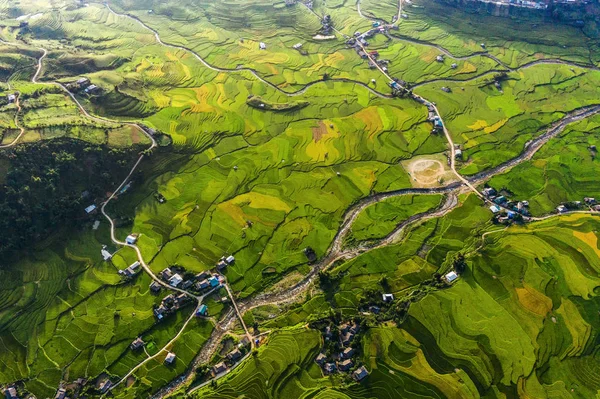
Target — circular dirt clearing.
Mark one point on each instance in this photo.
(427, 171)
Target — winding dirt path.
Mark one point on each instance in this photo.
(17, 124)
(18, 99)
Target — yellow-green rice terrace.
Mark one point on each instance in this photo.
(316, 199)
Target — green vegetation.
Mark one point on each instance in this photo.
(563, 170)
(493, 125)
(43, 187)
(257, 102)
(262, 154)
(379, 219)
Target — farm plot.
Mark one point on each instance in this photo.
(531, 288)
(514, 41)
(378, 220)
(493, 125)
(563, 170)
(229, 41)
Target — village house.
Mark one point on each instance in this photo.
(500, 200)
(82, 82)
(90, 209)
(321, 359)
(330, 368)
(262, 46)
(91, 89)
(348, 353)
(214, 281)
(202, 276)
(360, 373)
(345, 365)
(489, 191)
(388, 297)
(105, 386)
(61, 394)
(131, 239)
(439, 58)
(234, 355)
(11, 98)
(181, 299)
(495, 208)
(187, 284)
(155, 287)
(243, 342)
(131, 270)
(105, 254)
(166, 274)
(230, 259)
(589, 200)
(175, 280)
(347, 338)
(170, 358)
(451, 276)
(160, 312)
(561, 209)
(201, 285)
(10, 393)
(219, 368)
(137, 344)
(202, 311)
(221, 265)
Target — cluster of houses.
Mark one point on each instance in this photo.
(360, 39)
(587, 201)
(231, 358)
(139, 343)
(83, 84)
(537, 5)
(10, 392)
(199, 282)
(434, 118)
(505, 210)
(343, 360)
(92, 209)
(326, 26)
(170, 304)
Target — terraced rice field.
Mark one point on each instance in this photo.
(263, 183)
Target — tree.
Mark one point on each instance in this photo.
(459, 263)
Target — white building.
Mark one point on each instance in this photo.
(262, 46)
(131, 239)
(495, 208)
(175, 280)
(450, 277)
(105, 254)
(170, 358)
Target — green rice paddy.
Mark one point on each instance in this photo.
(263, 183)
